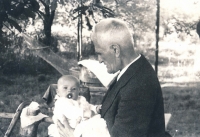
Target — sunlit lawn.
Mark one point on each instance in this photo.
(183, 103)
(180, 81)
(180, 85)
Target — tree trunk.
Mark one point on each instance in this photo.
(48, 21)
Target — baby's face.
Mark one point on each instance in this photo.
(68, 88)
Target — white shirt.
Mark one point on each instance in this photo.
(124, 69)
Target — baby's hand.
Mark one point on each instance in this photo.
(98, 109)
(88, 114)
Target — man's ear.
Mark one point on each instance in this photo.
(116, 49)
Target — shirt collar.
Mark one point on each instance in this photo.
(124, 69)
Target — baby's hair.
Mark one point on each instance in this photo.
(68, 77)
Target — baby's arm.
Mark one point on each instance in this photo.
(89, 110)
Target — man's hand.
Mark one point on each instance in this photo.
(64, 129)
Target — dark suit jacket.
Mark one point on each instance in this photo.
(133, 107)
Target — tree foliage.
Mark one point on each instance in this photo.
(179, 20)
(141, 17)
(47, 13)
(12, 12)
(55, 22)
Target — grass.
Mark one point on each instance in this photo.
(183, 103)
(180, 85)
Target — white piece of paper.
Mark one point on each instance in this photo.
(100, 71)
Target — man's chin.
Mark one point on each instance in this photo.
(110, 71)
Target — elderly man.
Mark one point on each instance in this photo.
(133, 105)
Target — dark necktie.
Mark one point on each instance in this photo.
(110, 87)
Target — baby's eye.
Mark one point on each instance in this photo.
(73, 88)
(65, 87)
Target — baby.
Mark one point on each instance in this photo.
(68, 86)
(75, 108)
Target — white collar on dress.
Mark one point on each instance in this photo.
(124, 69)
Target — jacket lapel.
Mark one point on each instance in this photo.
(114, 89)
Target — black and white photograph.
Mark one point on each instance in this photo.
(99, 68)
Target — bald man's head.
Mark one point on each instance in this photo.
(113, 31)
(113, 44)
